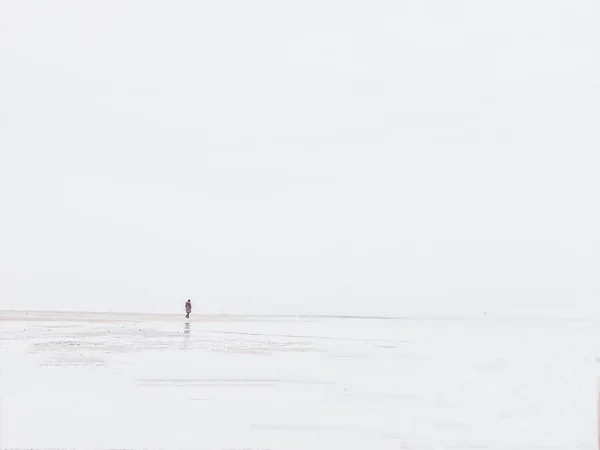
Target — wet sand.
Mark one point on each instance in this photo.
(215, 382)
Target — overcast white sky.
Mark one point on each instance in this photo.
(381, 157)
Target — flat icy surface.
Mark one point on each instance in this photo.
(83, 380)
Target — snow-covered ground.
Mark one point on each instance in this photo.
(91, 380)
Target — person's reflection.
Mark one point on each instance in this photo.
(186, 334)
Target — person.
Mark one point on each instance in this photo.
(188, 308)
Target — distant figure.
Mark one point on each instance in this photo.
(188, 308)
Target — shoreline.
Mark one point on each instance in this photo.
(103, 316)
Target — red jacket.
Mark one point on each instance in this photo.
(188, 307)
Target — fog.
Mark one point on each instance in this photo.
(384, 158)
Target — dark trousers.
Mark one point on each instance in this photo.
(187, 315)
